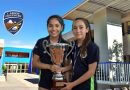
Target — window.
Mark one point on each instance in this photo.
(16, 54)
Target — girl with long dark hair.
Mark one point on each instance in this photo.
(85, 56)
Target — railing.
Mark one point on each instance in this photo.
(113, 73)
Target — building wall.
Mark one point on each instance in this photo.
(126, 36)
(113, 17)
(1, 46)
(15, 61)
(1, 42)
(1, 50)
(126, 40)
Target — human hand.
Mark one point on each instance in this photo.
(68, 86)
(62, 69)
(55, 68)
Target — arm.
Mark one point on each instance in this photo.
(67, 66)
(83, 78)
(67, 69)
(87, 75)
(67, 72)
(36, 63)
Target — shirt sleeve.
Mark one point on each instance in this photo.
(36, 49)
(94, 57)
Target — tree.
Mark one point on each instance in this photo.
(116, 52)
(116, 55)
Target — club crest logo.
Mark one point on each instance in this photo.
(13, 21)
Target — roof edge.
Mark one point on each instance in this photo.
(80, 4)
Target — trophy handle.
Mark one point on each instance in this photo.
(45, 44)
(72, 46)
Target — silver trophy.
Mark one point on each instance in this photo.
(58, 53)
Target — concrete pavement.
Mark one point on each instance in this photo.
(21, 81)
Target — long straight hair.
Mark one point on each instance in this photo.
(88, 37)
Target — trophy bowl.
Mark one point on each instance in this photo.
(58, 52)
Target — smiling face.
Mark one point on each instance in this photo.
(79, 29)
(54, 27)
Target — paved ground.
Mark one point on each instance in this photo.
(20, 82)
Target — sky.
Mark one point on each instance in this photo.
(35, 15)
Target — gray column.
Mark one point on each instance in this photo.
(100, 33)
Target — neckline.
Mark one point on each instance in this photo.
(59, 39)
(76, 43)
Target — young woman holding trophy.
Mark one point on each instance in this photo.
(41, 54)
(85, 56)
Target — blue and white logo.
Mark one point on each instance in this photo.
(13, 21)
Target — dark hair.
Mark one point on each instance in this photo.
(88, 37)
(59, 18)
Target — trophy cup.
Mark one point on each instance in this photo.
(58, 53)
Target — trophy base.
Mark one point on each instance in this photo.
(58, 84)
(55, 88)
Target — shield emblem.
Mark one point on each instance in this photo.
(13, 21)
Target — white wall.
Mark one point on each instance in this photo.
(1, 42)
